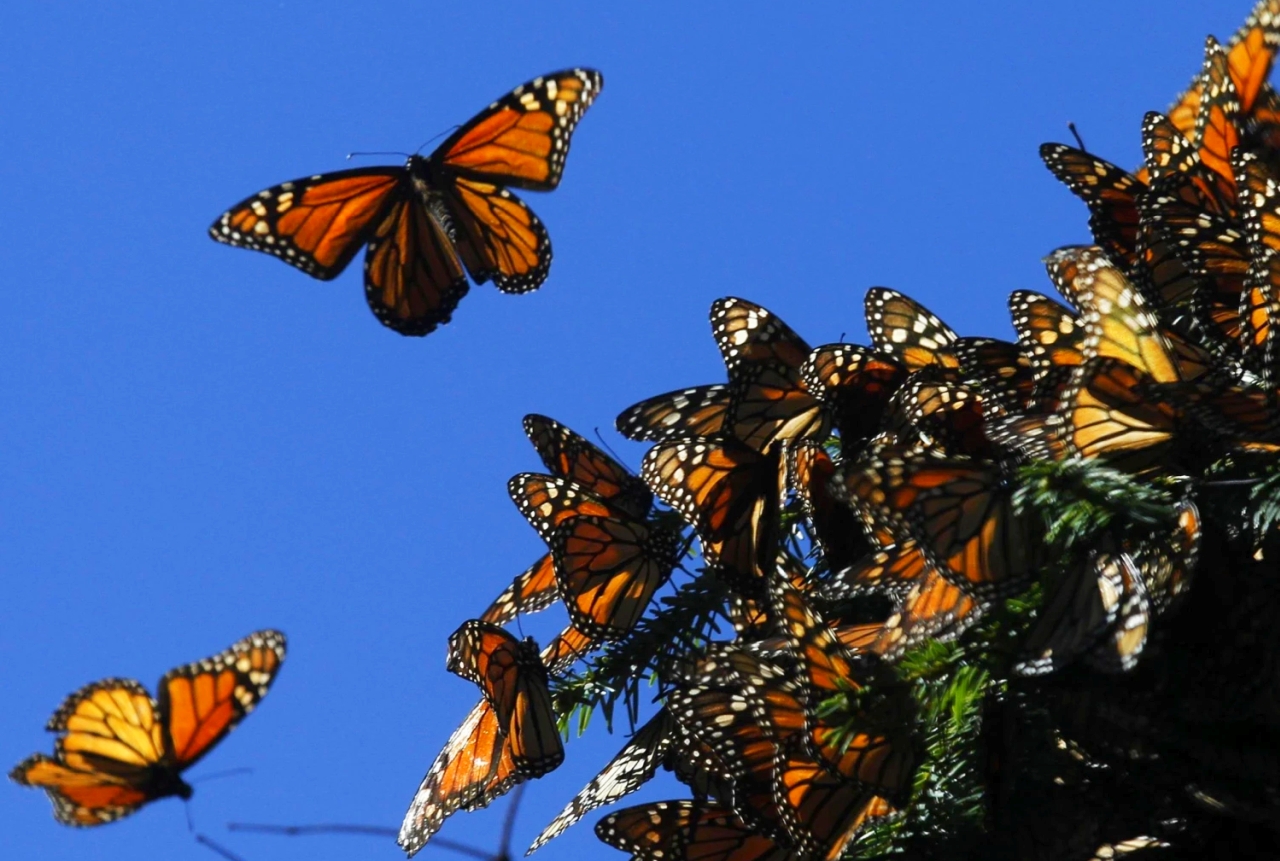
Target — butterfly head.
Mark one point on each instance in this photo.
(166, 781)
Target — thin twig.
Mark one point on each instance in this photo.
(218, 848)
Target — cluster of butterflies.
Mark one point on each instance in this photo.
(902, 459)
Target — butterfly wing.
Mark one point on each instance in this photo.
(546, 501)
(906, 330)
(317, 223)
(1108, 191)
(107, 757)
(522, 139)
(1047, 331)
(412, 276)
(633, 767)
(572, 456)
(203, 701)
(532, 591)
(608, 570)
(768, 399)
(699, 412)
(835, 528)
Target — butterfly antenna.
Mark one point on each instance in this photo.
(508, 824)
(1076, 134)
(434, 137)
(214, 846)
(842, 334)
(352, 155)
(218, 775)
(186, 809)
(609, 449)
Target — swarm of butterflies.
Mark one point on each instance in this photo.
(854, 507)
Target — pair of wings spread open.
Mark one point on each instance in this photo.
(428, 223)
(119, 748)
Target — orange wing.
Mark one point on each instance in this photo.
(906, 330)
(523, 138)
(514, 681)
(317, 223)
(546, 501)
(834, 527)
(698, 411)
(1110, 193)
(530, 592)
(570, 455)
(855, 384)
(499, 237)
(828, 665)
(608, 570)
(204, 701)
(110, 759)
(729, 493)
(1047, 331)
(412, 277)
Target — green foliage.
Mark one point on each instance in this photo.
(1082, 501)
(684, 623)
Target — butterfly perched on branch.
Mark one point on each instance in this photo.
(118, 748)
(438, 218)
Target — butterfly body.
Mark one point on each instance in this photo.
(430, 224)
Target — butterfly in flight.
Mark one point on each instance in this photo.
(118, 748)
(438, 218)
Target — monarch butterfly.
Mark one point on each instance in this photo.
(514, 681)
(1260, 302)
(429, 223)
(768, 399)
(730, 494)
(697, 412)
(820, 810)
(118, 748)
(1113, 412)
(608, 486)
(1004, 375)
(1218, 116)
(688, 830)
(927, 604)
(634, 766)
(1110, 193)
(947, 414)
(608, 569)
(1167, 569)
(958, 509)
(1050, 334)
(1104, 596)
(570, 455)
(477, 765)
(835, 528)
(1249, 54)
(1118, 323)
(855, 384)
(1175, 167)
(906, 330)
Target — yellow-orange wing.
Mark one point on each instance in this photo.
(103, 764)
(316, 223)
(521, 140)
(532, 590)
(204, 701)
(570, 455)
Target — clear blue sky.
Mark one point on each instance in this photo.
(197, 441)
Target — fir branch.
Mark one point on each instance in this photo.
(1082, 500)
(684, 623)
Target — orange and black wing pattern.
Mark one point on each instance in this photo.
(608, 569)
(108, 758)
(316, 223)
(1048, 332)
(697, 411)
(511, 675)
(204, 701)
(730, 493)
(571, 456)
(833, 525)
(1110, 192)
(521, 140)
(768, 398)
(118, 748)
(855, 384)
(546, 501)
(533, 590)
(430, 223)
(906, 330)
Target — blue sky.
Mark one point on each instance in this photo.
(198, 441)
